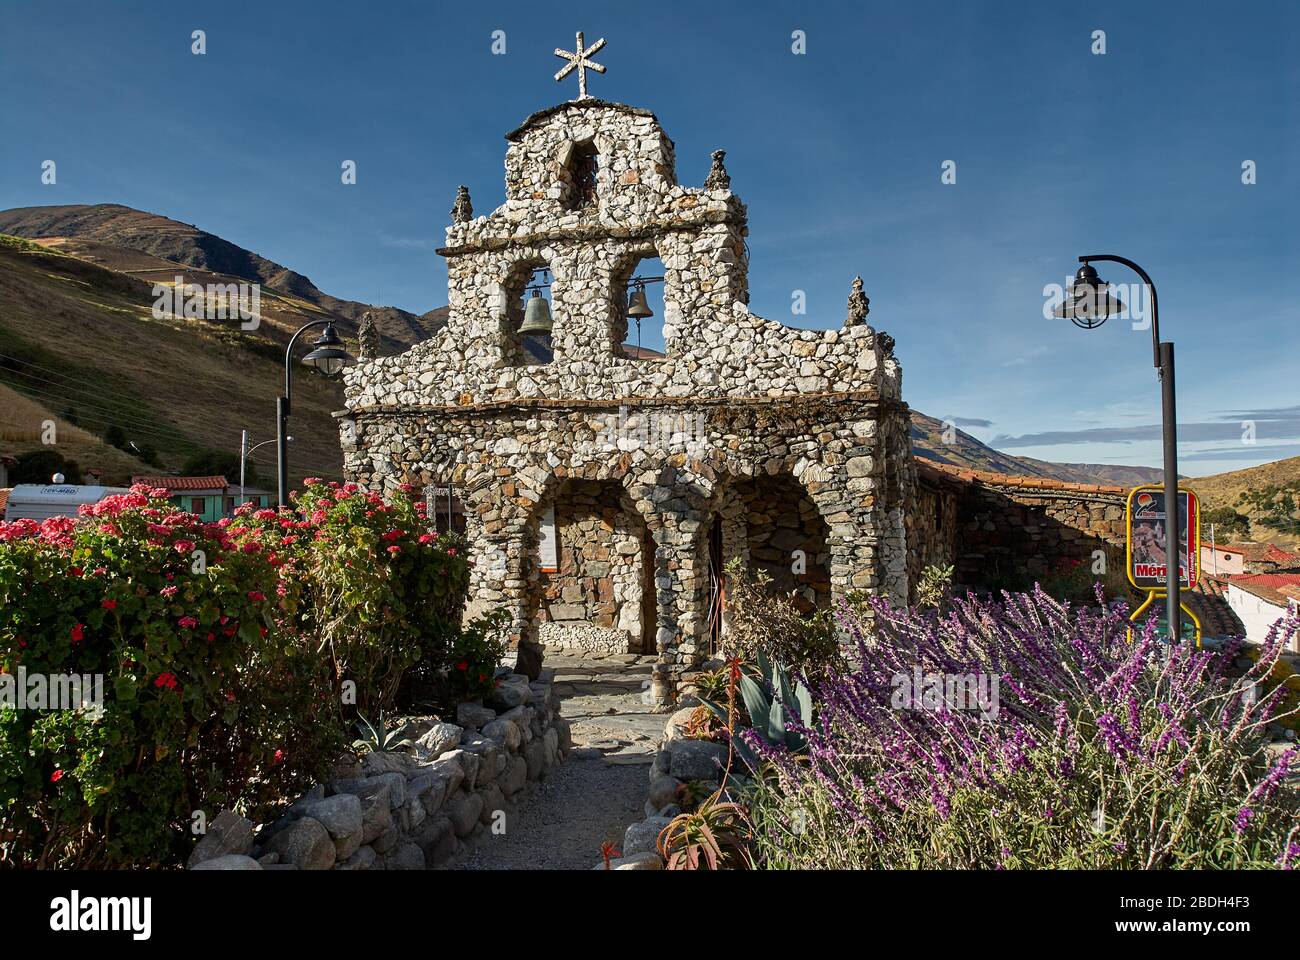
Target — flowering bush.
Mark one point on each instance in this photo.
(203, 695)
(228, 652)
(381, 593)
(1095, 752)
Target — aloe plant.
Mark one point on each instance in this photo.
(377, 738)
(775, 706)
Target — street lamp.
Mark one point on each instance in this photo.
(1089, 303)
(329, 358)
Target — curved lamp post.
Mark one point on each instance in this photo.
(329, 357)
(1089, 303)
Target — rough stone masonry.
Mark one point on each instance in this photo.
(668, 464)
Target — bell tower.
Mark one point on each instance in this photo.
(591, 189)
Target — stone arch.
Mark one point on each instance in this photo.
(625, 265)
(595, 592)
(516, 277)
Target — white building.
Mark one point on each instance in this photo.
(1260, 600)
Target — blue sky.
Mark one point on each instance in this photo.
(838, 153)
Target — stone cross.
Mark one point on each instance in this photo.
(578, 59)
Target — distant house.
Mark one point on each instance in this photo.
(209, 498)
(1261, 599)
(1248, 556)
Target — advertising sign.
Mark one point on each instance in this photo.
(1148, 538)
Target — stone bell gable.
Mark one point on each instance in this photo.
(602, 491)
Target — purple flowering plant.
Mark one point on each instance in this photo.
(1106, 750)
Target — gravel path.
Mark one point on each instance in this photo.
(561, 822)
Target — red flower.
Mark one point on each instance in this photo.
(279, 757)
(75, 571)
(167, 680)
(189, 623)
(56, 776)
(78, 633)
(109, 604)
(463, 665)
(257, 596)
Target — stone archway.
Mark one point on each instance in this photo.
(590, 569)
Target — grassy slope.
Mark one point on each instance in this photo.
(1223, 489)
(86, 341)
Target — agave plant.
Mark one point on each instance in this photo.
(377, 738)
(775, 706)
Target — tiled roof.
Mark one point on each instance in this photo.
(936, 470)
(182, 483)
(1267, 586)
(1257, 552)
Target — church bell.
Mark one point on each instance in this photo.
(637, 307)
(537, 315)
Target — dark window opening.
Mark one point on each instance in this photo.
(584, 165)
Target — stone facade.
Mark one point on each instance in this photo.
(671, 442)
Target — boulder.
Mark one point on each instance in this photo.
(511, 691)
(387, 840)
(364, 858)
(697, 760)
(472, 716)
(376, 815)
(440, 738)
(663, 791)
(564, 732)
(643, 837)
(387, 762)
(408, 856)
(463, 812)
(515, 776)
(341, 815)
(504, 732)
(228, 861)
(305, 844)
(228, 834)
(437, 838)
(493, 800)
(469, 764)
(676, 726)
(534, 755)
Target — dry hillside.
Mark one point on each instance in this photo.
(1224, 489)
(80, 342)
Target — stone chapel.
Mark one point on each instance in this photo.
(603, 488)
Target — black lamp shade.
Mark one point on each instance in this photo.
(1090, 301)
(329, 357)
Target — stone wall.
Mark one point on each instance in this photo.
(1007, 526)
(412, 808)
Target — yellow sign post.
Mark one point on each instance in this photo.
(1149, 548)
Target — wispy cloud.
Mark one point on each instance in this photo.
(1279, 424)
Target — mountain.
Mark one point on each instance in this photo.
(1115, 474)
(151, 247)
(82, 349)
